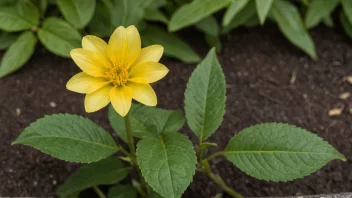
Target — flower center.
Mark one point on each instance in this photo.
(117, 75)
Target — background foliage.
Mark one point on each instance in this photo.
(60, 24)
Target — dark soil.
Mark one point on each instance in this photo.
(258, 64)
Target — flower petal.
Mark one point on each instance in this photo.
(143, 93)
(134, 45)
(150, 53)
(124, 46)
(83, 83)
(89, 62)
(121, 99)
(98, 99)
(150, 71)
(117, 46)
(95, 44)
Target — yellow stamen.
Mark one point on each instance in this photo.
(117, 75)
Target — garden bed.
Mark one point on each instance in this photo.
(258, 65)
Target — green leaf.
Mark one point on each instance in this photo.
(155, 15)
(146, 120)
(235, 7)
(347, 8)
(205, 97)
(154, 3)
(209, 25)
(18, 53)
(42, 5)
(21, 16)
(126, 12)
(328, 21)
(213, 41)
(263, 7)
(104, 172)
(6, 39)
(317, 11)
(291, 25)
(173, 45)
(347, 26)
(279, 152)
(59, 37)
(193, 12)
(122, 191)
(246, 14)
(101, 24)
(167, 162)
(68, 137)
(8, 2)
(77, 12)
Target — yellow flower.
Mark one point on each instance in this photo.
(117, 72)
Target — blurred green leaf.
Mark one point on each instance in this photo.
(101, 24)
(263, 7)
(18, 17)
(232, 10)
(155, 15)
(329, 22)
(42, 5)
(291, 25)
(347, 26)
(318, 10)
(8, 2)
(242, 17)
(153, 4)
(77, 12)
(173, 45)
(18, 53)
(104, 172)
(347, 8)
(213, 41)
(122, 191)
(208, 25)
(6, 39)
(126, 12)
(59, 37)
(193, 12)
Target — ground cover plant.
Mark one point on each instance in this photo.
(163, 162)
(59, 24)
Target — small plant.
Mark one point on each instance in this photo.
(163, 159)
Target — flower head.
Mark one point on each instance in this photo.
(117, 72)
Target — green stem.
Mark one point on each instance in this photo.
(99, 192)
(222, 184)
(214, 155)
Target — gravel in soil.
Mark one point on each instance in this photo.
(258, 64)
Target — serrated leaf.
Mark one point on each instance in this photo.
(347, 8)
(77, 12)
(347, 26)
(263, 7)
(18, 17)
(279, 152)
(101, 24)
(291, 25)
(235, 7)
(318, 10)
(68, 137)
(6, 39)
(205, 97)
(126, 12)
(173, 45)
(59, 37)
(155, 15)
(193, 12)
(246, 14)
(167, 162)
(146, 120)
(209, 26)
(104, 172)
(18, 53)
(122, 191)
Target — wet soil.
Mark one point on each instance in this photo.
(258, 65)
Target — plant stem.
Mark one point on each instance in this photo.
(214, 155)
(99, 192)
(133, 153)
(217, 179)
